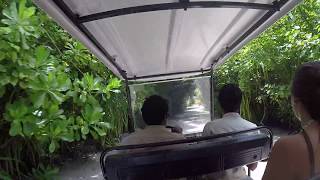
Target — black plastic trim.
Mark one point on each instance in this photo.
(176, 5)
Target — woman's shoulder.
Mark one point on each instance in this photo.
(290, 149)
(285, 155)
(290, 141)
(289, 145)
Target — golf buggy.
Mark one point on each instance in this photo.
(176, 44)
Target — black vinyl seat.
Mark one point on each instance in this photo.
(187, 158)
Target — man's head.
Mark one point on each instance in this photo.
(155, 110)
(230, 98)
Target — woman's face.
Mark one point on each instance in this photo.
(295, 103)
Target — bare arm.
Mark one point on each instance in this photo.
(279, 165)
(253, 166)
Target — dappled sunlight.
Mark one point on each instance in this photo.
(258, 173)
(192, 120)
(88, 168)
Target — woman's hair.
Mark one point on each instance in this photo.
(306, 88)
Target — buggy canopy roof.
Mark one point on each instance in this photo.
(150, 40)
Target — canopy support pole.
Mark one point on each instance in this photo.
(211, 94)
(130, 113)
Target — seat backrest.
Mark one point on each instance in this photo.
(192, 157)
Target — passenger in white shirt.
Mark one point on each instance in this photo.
(154, 113)
(230, 100)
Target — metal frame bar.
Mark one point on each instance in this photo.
(202, 71)
(176, 5)
(68, 12)
(211, 95)
(130, 113)
(168, 80)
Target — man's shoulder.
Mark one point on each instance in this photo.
(130, 139)
(248, 123)
(215, 122)
(223, 125)
(211, 126)
(148, 136)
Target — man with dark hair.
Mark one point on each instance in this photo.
(155, 110)
(154, 113)
(229, 98)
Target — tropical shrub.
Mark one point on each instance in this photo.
(264, 68)
(53, 91)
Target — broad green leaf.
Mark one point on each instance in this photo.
(105, 125)
(25, 73)
(52, 147)
(15, 129)
(57, 131)
(38, 98)
(13, 80)
(94, 135)
(93, 101)
(114, 83)
(11, 12)
(29, 12)
(101, 132)
(17, 110)
(63, 82)
(92, 113)
(13, 56)
(83, 97)
(2, 55)
(69, 137)
(41, 55)
(88, 81)
(3, 68)
(79, 121)
(54, 111)
(3, 31)
(72, 94)
(85, 130)
(36, 84)
(22, 8)
(29, 128)
(58, 97)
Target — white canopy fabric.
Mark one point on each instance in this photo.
(165, 43)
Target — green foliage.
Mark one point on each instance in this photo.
(53, 91)
(43, 173)
(4, 175)
(264, 68)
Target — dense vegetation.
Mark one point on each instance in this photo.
(264, 68)
(53, 93)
